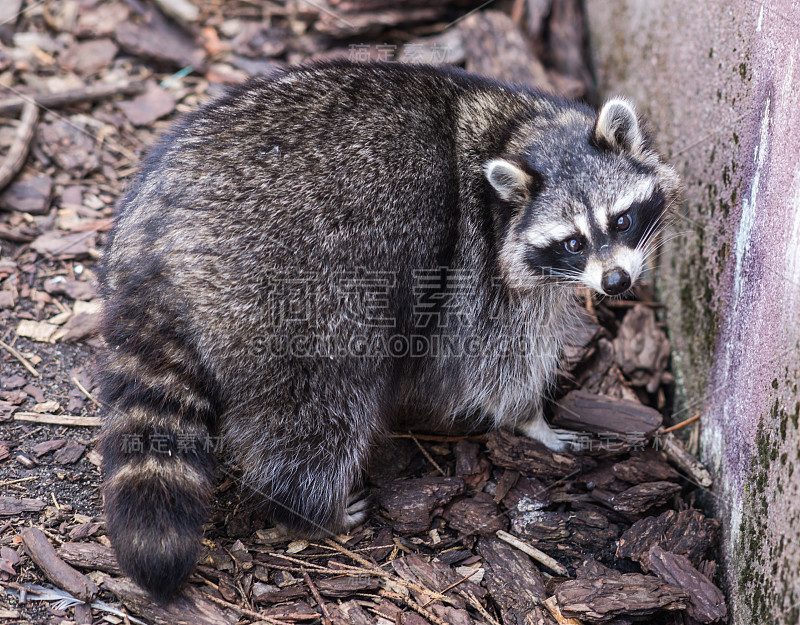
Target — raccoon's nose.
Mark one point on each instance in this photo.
(616, 281)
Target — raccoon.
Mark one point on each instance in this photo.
(318, 252)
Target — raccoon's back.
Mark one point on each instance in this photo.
(295, 173)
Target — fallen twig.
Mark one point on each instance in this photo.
(326, 616)
(413, 605)
(533, 552)
(680, 425)
(56, 419)
(90, 93)
(435, 438)
(244, 611)
(24, 361)
(397, 580)
(18, 154)
(303, 563)
(450, 587)
(475, 602)
(83, 390)
(425, 453)
(18, 480)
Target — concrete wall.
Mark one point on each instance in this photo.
(721, 83)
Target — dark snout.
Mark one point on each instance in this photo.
(616, 281)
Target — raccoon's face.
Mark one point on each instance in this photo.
(584, 202)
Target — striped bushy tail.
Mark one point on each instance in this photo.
(158, 460)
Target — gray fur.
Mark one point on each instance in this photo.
(339, 189)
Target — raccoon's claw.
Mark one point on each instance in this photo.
(570, 439)
(356, 511)
(538, 429)
(555, 440)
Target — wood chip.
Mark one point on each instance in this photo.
(477, 515)
(70, 453)
(65, 246)
(598, 600)
(648, 465)
(688, 533)
(438, 577)
(84, 530)
(89, 57)
(551, 603)
(635, 501)
(531, 457)
(295, 611)
(182, 10)
(641, 349)
(45, 447)
(160, 42)
(189, 607)
(336, 22)
(346, 586)
(569, 535)
(71, 144)
(75, 289)
(515, 585)
(685, 461)
(92, 556)
(706, 601)
(10, 12)
(527, 494)
(280, 595)
(599, 414)
(79, 327)
(151, 105)
(410, 503)
(11, 506)
(55, 569)
(350, 613)
(40, 331)
(6, 300)
(495, 46)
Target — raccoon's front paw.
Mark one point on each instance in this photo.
(356, 511)
(556, 440)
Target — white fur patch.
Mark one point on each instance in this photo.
(542, 237)
(619, 113)
(582, 224)
(506, 178)
(638, 193)
(601, 217)
(631, 260)
(592, 275)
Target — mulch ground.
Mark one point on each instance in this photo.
(484, 529)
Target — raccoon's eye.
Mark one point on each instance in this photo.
(623, 222)
(573, 245)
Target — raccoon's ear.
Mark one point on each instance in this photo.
(617, 127)
(510, 180)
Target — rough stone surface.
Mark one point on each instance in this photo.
(720, 81)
